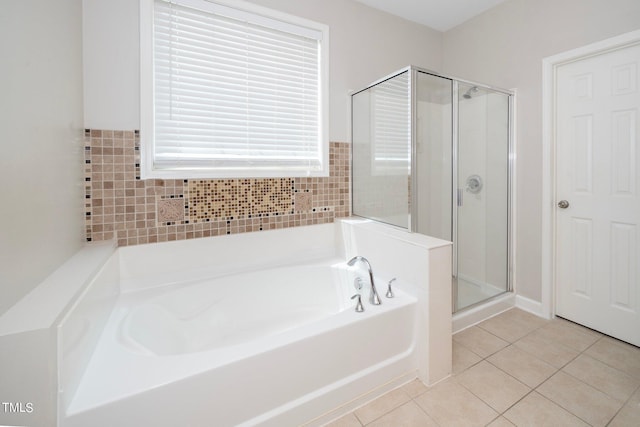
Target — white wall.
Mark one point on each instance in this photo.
(366, 44)
(41, 220)
(111, 52)
(505, 47)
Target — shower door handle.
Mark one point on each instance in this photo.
(459, 196)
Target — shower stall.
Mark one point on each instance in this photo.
(433, 154)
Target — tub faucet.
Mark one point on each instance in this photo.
(373, 298)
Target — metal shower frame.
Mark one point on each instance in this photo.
(413, 75)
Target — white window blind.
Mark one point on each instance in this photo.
(235, 93)
(391, 134)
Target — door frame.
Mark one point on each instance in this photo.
(549, 67)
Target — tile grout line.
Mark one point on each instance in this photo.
(534, 389)
(531, 389)
(586, 384)
(604, 336)
(560, 370)
(626, 402)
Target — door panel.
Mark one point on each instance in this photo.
(581, 251)
(597, 158)
(623, 274)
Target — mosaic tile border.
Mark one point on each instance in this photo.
(119, 205)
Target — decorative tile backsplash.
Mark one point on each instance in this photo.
(236, 198)
(118, 204)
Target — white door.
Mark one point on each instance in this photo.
(598, 175)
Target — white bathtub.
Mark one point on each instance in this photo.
(256, 345)
(263, 342)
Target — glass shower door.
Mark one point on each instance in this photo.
(481, 222)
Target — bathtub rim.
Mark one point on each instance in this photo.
(48, 304)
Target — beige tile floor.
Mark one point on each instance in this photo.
(518, 369)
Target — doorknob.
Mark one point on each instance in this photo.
(563, 204)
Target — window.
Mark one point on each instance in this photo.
(231, 92)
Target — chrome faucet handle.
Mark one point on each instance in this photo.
(389, 291)
(359, 306)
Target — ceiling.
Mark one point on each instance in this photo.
(441, 15)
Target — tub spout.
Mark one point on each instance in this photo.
(373, 298)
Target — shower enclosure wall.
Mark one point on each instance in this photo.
(433, 154)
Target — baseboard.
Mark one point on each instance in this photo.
(532, 306)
